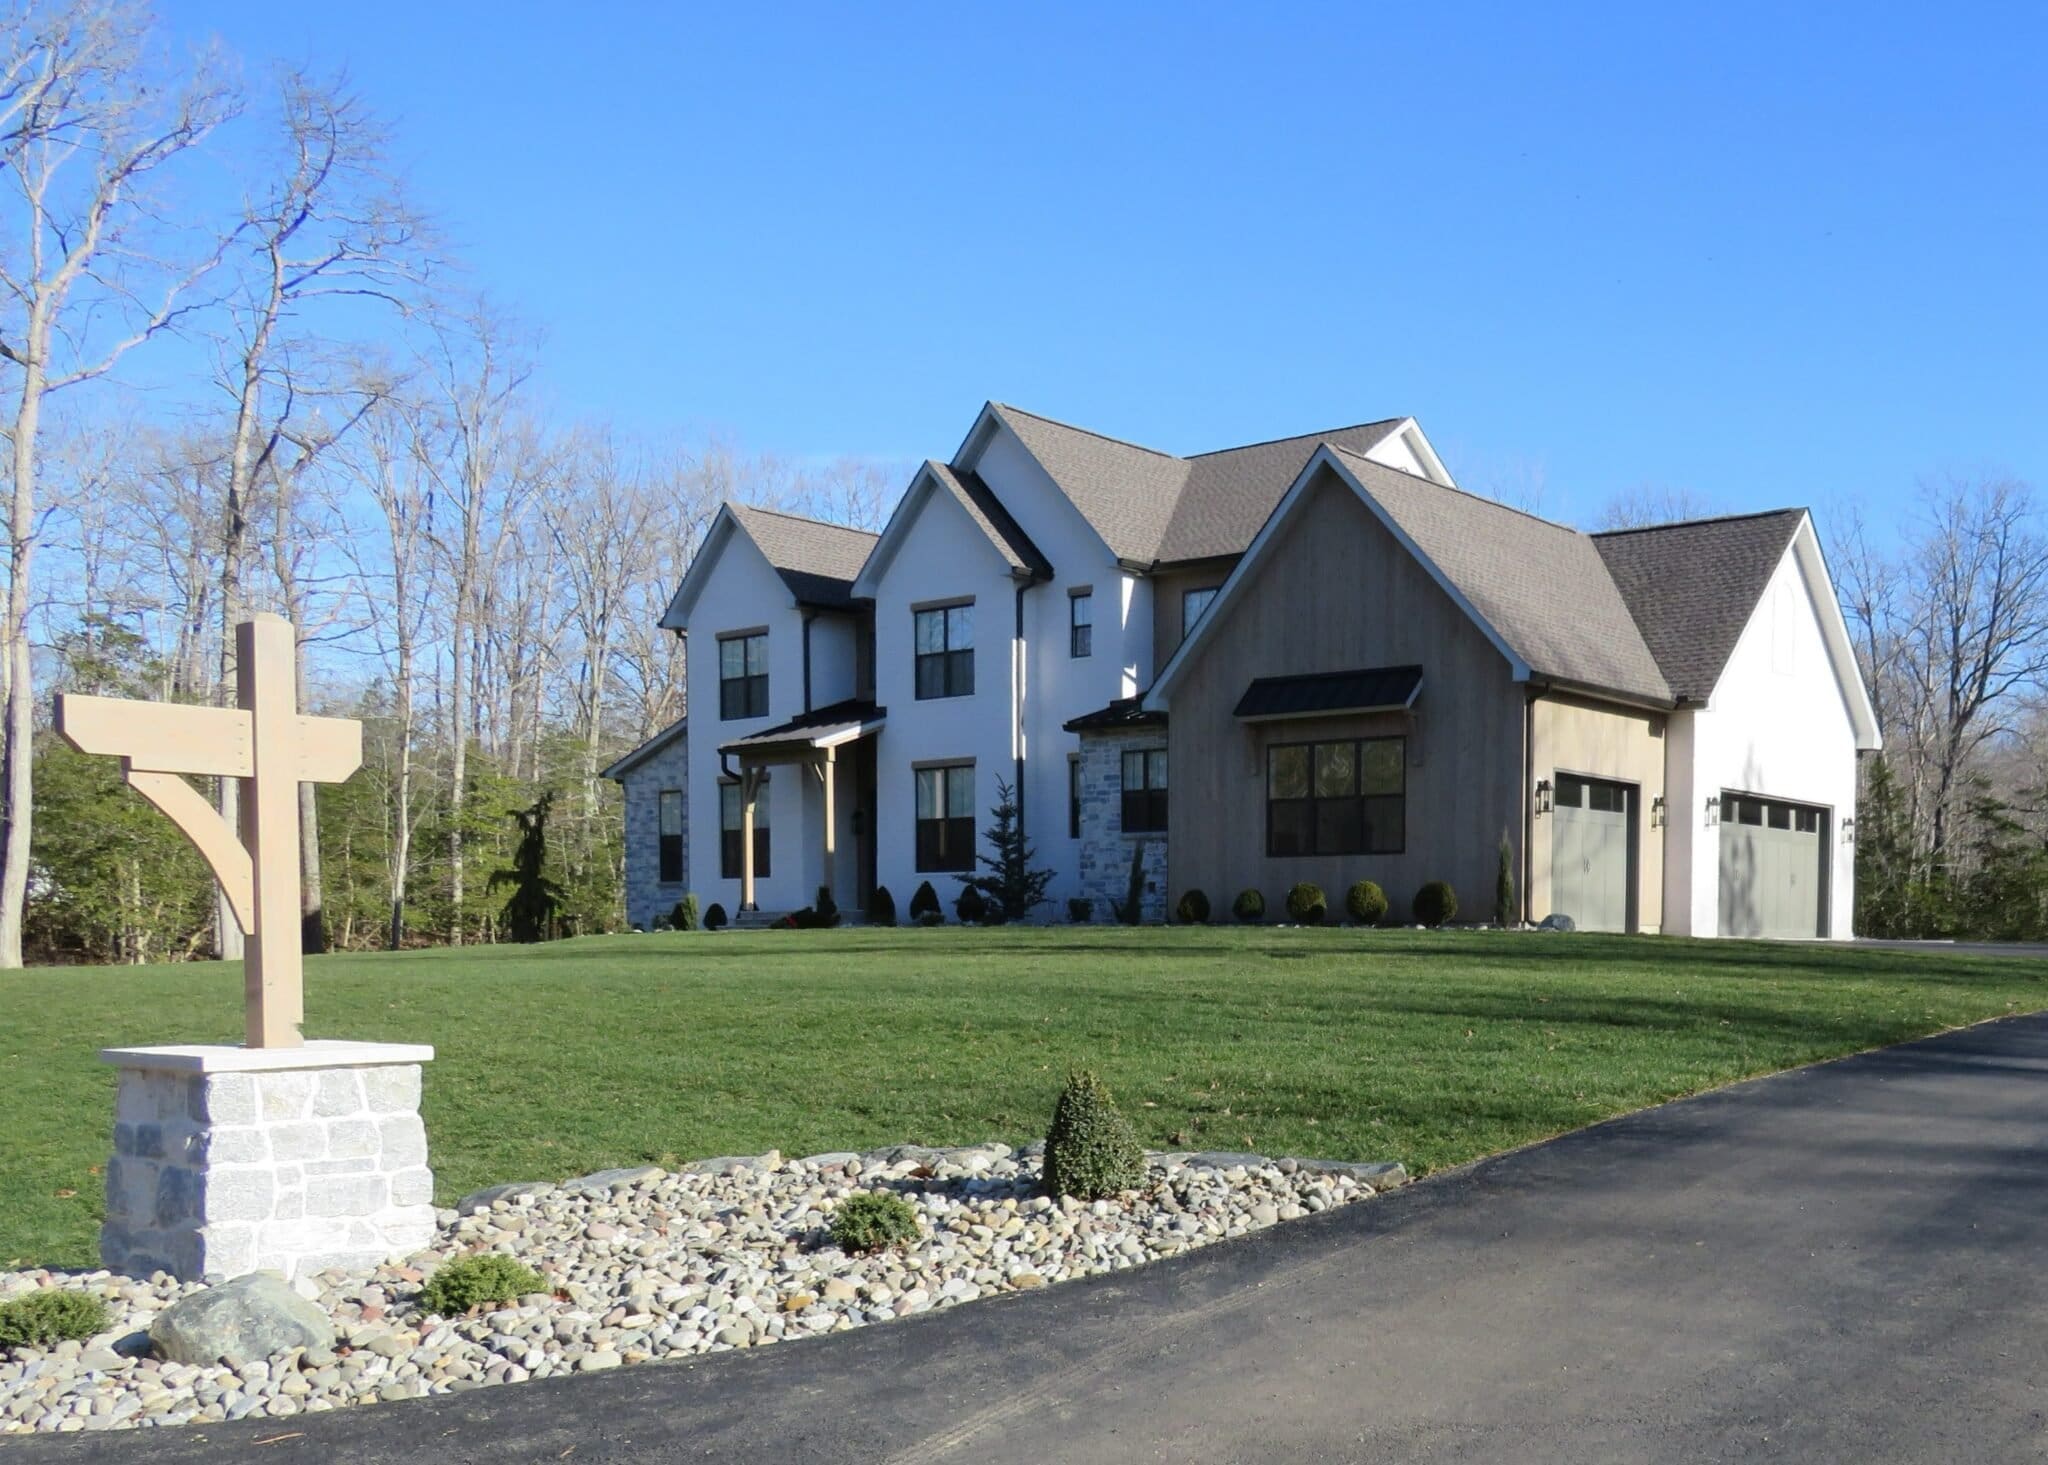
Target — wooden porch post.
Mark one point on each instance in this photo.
(750, 783)
(826, 761)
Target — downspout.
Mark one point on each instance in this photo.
(1528, 799)
(1018, 660)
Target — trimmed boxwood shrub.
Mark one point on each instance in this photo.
(924, 900)
(1249, 907)
(1366, 903)
(872, 1221)
(1080, 911)
(1091, 1151)
(931, 918)
(881, 907)
(969, 906)
(471, 1281)
(1193, 909)
(684, 916)
(714, 917)
(1306, 906)
(1435, 903)
(51, 1316)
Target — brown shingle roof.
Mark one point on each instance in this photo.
(1693, 586)
(817, 561)
(1230, 493)
(1543, 587)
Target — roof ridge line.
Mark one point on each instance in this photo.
(1122, 442)
(801, 518)
(1321, 434)
(1454, 488)
(1689, 523)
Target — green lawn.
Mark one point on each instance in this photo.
(1429, 1048)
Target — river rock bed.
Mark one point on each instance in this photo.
(646, 1265)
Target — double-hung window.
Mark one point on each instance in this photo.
(1347, 797)
(743, 675)
(670, 814)
(945, 651)
(1192, 605)
(945, 817)
(1144, 809)
(729, 831)
(1080, 624)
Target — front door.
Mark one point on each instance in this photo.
(1592, 855)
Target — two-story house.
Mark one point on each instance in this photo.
(1312, 658)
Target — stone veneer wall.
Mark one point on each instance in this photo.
(648, 897)
(1105, 848)
(219, 1174)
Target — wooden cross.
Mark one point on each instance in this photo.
(263, 741)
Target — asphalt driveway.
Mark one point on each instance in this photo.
(1842, 1263)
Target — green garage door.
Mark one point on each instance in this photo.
(1590, 858)
(1772, 879)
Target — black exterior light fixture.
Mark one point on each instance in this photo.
(1713, 810)
(1657, 812)
(1543, 799)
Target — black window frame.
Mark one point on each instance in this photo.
(1144, 807)
(1322, 823)
(729, 838)
(1080, 633)
(668, 847)
(944, 844)
(948, 671)
(746, 695)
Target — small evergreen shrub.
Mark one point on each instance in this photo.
(1249, 907)
(1091, 1151)
(1435, 903)
(684, 916)
(51, 1316)
(970, 907)
(1504, 913)
(714, 918)
(932, 918)
(472, 1281)
(1306, 906)
(826, 907)
(1366, 903)
(993, 914)
(924, 899)
(873, 1220)
(1193, 909)
(881, 907)
(1080, 911)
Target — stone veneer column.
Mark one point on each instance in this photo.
(230, 1160)
(1105, 848)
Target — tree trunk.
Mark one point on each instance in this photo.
(16, 741)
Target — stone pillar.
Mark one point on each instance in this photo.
(231, 1160)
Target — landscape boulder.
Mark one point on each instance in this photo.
(1557, 921)
(240, 1322)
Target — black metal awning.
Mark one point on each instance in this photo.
(823, 727)
(1366, 689)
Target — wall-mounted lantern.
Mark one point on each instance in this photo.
(1848, 831)
(1543, 799)
(1713, 810)
(1657, 812)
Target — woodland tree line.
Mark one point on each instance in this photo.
(242, 370)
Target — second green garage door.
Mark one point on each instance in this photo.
(1772, 881)
(1591, 859)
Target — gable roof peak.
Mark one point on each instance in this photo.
(1320, 435)
(1121, 442)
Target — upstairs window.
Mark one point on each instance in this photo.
(1192, 604)
(1144, 791)
(729, 831)
(945, 651)
(1080, 624)
(1337, 798)
(945, 817)
(743, 676)
(671, 826)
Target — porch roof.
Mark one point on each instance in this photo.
(1365, 689)
(808, 732)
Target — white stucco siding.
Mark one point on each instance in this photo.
(834, 659)
(742, 591)
(1778, 724)
(943, 556)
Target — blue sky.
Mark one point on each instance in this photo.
(1762, 254)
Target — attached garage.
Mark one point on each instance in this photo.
(1592, 853)
(1773, 867)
